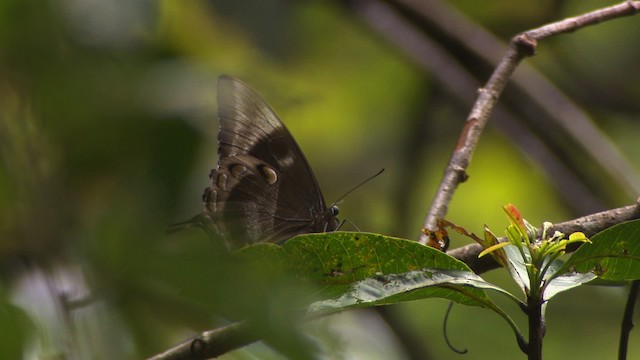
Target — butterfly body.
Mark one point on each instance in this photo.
(263, 189)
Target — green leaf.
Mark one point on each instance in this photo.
(339, 259)
(461, 286)
(363, 269)
(565, 282)
(560, 279)
(517, 267)
(456, 285)
(614, 253)
(342, 270)
(15, 326)
(516, 220)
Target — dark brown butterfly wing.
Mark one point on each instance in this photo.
(263, 189)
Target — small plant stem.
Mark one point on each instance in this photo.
(627, 320)
(536, 326)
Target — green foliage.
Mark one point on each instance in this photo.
(15, 330)
(614, 253)
(349, 267)
(359, 270)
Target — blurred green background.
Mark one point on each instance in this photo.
(108, 132)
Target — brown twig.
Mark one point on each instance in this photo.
(521, 46)
(211, 344)
(457, 81)
(627, 320)
(538, 90)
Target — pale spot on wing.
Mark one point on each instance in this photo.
(286, 161)
(215, 200)
(210, 199)
(237, 170)
(221, 181)
(268, 174)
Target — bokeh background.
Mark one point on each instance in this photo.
(108, 131)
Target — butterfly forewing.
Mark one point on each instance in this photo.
(263, 188)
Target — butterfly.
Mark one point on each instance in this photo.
(263, 189)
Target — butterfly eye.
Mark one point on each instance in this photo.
(334, 210)
(268, 174)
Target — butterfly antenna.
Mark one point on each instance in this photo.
(199, 220)
(356, 187)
